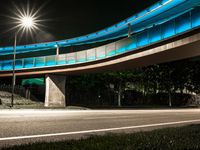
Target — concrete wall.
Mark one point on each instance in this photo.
(55, 91)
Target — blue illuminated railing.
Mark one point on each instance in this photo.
(174, 27)
(156, 14)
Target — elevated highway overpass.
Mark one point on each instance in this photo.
(167, 31)
(182, 47)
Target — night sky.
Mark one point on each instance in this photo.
(68, 18)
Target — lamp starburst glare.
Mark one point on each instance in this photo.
(27, 22)
(27, 19)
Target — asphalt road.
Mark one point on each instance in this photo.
(27, 126)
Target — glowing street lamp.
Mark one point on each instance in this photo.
(25, 22)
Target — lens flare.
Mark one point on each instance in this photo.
(26, 19)
(27, 22)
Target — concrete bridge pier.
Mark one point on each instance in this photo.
(55, 91)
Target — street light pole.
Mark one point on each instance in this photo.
(27, 22)
(13, 77)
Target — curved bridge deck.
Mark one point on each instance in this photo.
(179, 49)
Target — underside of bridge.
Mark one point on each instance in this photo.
(182, 47)
(187, 47)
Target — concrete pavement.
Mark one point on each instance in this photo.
(28, 126)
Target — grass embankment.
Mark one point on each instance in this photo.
(170, 138)
(19, 102)
(23, 103)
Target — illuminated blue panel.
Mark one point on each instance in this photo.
(132, 45)
(154, 34)
(19, 64)
(120, 46)
(131, 18)
(121, 24)
(164, 1)
(39, 61)
(110, 49)
(50, 60)
(111, 28)
(61, 59)
(183, 23)
(101, 52)
(196, 17)
(92, 35)
(154, 6)
(28, 63)
(91, 54)
(7, 65)
(142, 39)
(81, 56)
(121, 50)
(91, 58)
(112, 53)
(71, 58)
(142, 13)
(167, 29)
(82, 38)
(71, 61)
(81, 60)
(101, 32)
(61, 62)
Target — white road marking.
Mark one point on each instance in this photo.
(98, 130)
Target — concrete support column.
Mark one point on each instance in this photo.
(55, 91)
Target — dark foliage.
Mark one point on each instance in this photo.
(163, 84)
